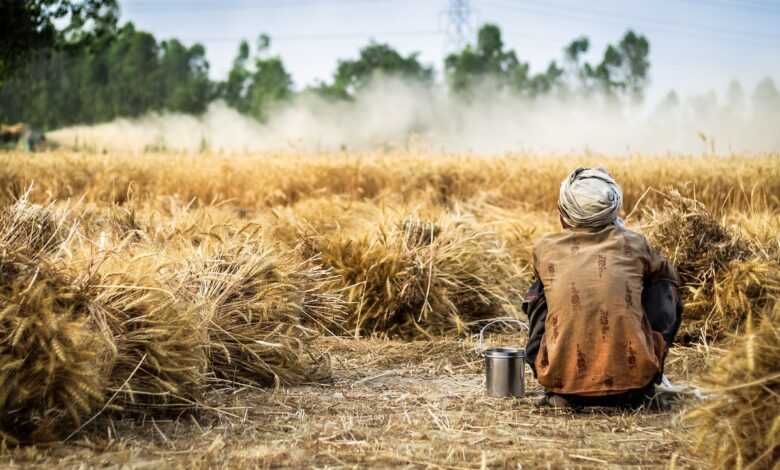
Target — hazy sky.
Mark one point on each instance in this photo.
(696, 45)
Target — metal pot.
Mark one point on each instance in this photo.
(505, 372)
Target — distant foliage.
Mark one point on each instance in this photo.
(623, 68)
(89, 70)
(36, 25)
(124, 75)
(375, 60)
(253, 89)
(490, 60)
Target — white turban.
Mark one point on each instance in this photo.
(590, 198)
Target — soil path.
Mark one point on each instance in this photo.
(391, 404)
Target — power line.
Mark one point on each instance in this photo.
(189, 7)
(556, 7)
(460, 18)
(762, 7)
(459, 24)
(323, 36)
(582, 14)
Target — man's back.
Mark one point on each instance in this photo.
(597, 338)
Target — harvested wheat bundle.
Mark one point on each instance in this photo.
(53, 358)
(319, 214)
(261, 311)
(695, 241)
(418, 232)
(160, 360)
(421, 278)
(724, 277)
(744, 289)
(40, 229)
(120, 222)
(739, 426)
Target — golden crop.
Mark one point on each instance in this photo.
(137, 282)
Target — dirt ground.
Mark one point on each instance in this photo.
(391, 404)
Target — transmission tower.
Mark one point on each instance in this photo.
(458, 24)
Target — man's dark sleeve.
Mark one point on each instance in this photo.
(535, 307)
(660, 297)
(663, 308)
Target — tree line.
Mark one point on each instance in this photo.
(94, 70)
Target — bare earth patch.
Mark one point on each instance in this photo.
(391, 404)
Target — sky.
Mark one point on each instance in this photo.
(696, 45)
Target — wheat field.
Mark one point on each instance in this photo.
(320, 309)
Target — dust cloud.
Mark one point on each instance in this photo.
(391, 113)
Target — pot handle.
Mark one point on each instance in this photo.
(480, 347)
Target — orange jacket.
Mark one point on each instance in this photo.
(597, 338)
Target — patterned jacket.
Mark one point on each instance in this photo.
(601, 333)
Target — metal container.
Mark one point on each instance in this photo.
(505, 372)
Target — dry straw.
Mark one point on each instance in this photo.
(53, 356)
(50, 351)
(159, 358)
(261, 311)
(39, 229)
(140, 330)
(725, 277)
(739, 427)
(418, 278)
(207, 305)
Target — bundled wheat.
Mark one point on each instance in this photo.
(261, 311)
(289, 225)
(739, 427)
(158, 340)
(724, 278)
(419, 278)
(53, 358)
(40, 229)
(122, 222)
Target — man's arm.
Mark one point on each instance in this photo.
(660, 297)
(535, 307)
(663, 308)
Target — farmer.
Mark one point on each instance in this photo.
(604, 307)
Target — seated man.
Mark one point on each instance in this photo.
(604, 308)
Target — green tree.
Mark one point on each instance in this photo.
(374, 60)
(124, 75)
(547, 81)
(623, 68)
(234, 88)
(255, 90)
(489, 59)
(572, 54)
(576, 49)
(183, 75)
(135, 59)
(32, 25)
(634, 50)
